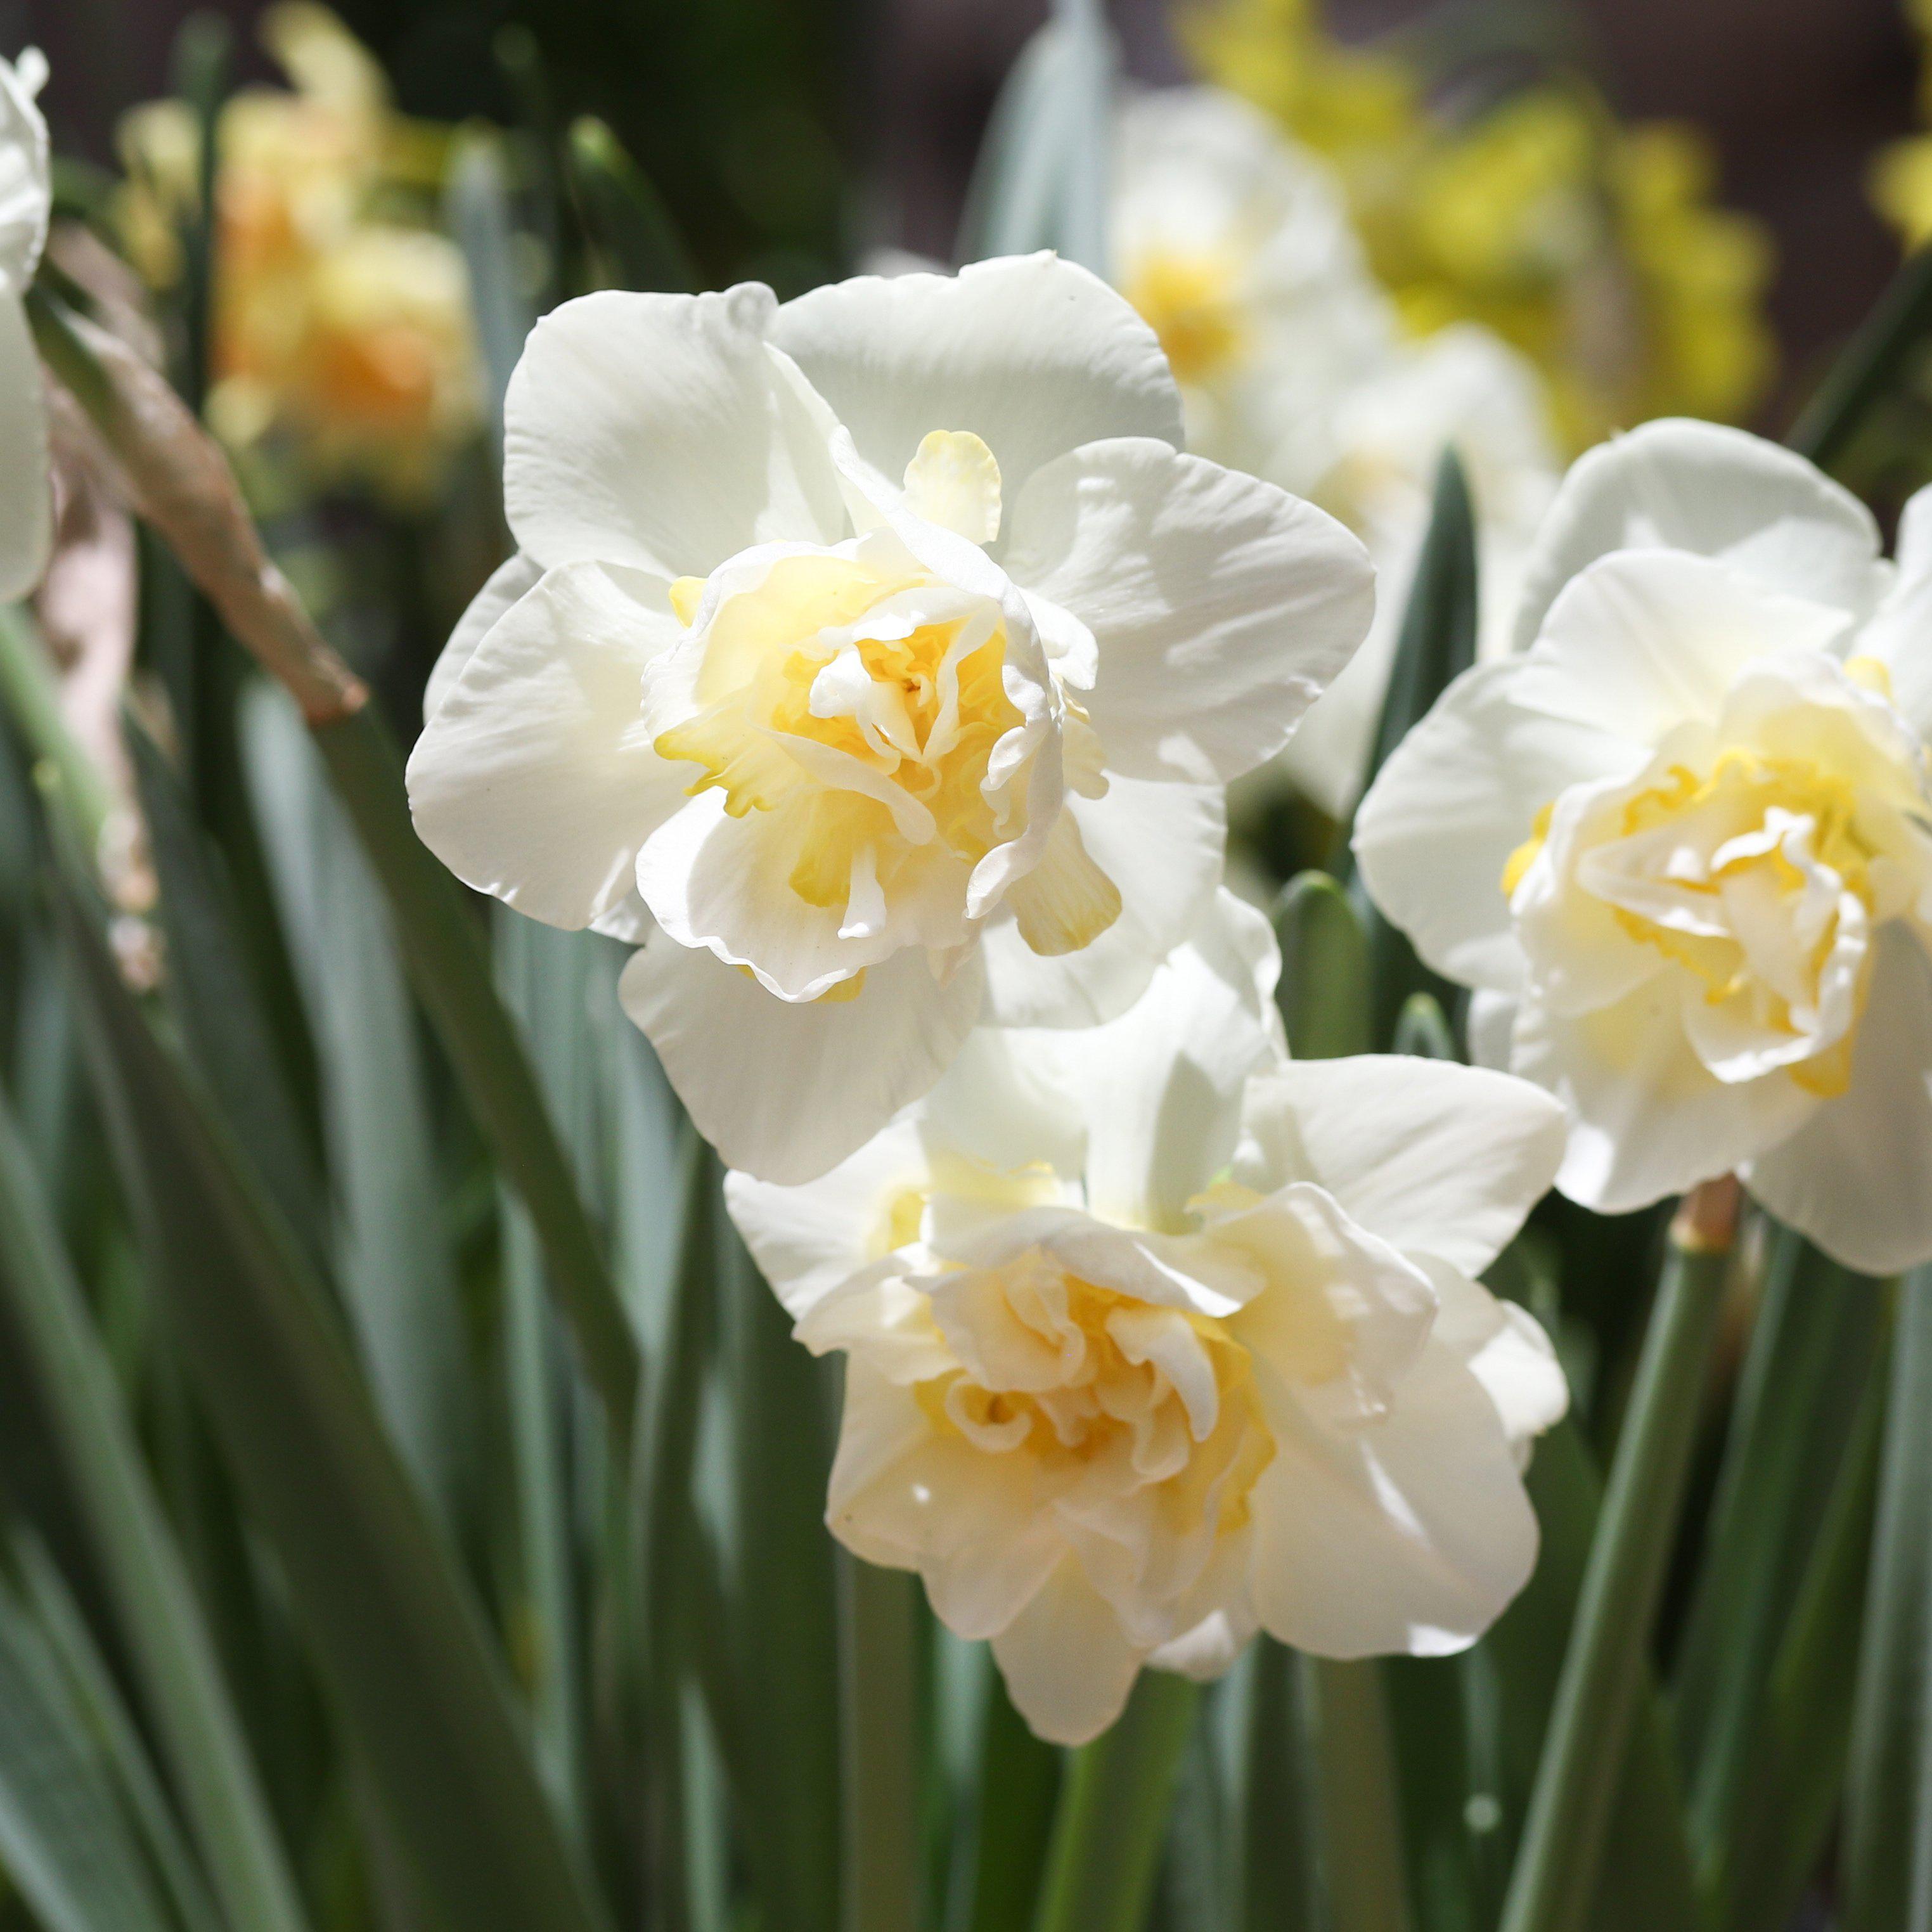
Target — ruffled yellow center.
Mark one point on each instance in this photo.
(1190, 299)
(833, 698)
(1101, 1391)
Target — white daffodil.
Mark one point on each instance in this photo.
(1236, 245)
(884, 650)
(1154, 1338)
(26, 199)
(1682, 845)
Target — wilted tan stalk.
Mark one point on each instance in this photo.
(1706, 1220)
(180, 482)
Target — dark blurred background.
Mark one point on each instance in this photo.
(788, 135)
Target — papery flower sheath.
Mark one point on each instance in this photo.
(26, 200)
(1154, 1338)
(884, 650)
(1682, 844)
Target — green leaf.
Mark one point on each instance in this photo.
(1600, 1697)
(399, 1642)
(879, 1679)
(1008, 1815)
(65, 1840)
(1324, 991)
(476, 206)
(1278, 1838)
(1423, 1028)
(1042, 179)
(636, 241)
(445, 960)
(1428, 1726)
(394, 1261)
(1358, 1803)
(1107, 1833)
(160, 1619)
(1869, 366)
(1809, 1358)
(28, 691)
(781, 1593)
(1887, 1833)
(216, 1002)
(1784, 1816)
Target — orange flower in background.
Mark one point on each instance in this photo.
(342, 333)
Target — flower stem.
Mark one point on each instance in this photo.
(878, 1639)
(1107, 1834)
(1576, 1780)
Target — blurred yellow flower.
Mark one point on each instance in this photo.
(341, 329)
(1593, 247)
(1901, 178)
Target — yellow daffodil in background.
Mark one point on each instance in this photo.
(1681, 843)
(885, 650)
(341, 326)
(1593, 247)
(1154, 1339)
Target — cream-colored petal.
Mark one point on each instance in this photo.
(658, 430)
(1068, 1665)
(26, 503)
(847, 1065)
(506, 585)
(1427, 1154)
(535, 780)
(1715, 492)
(1856, 1177)
(1033, 354)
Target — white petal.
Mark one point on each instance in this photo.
(1856, 1178)
(1456, 798)
(1031, 354)
(786, 1089)
(1900, 636)
(1410, 1535)
(807, 1240)
(660, 431)
(1507, 1352)
(1719, 493)
(26, 194)
(1221, 605)
(1647, 1118)
(535, 780)
(1644, 640)
(1160, 1088)
(1162, 845)
(506, 583)
(1068, 1666)
(1429, 1155)
(26, 504)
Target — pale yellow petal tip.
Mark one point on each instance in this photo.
(953, 480)
(1066, 901)
(1869, 673)
(686, 593)
(842, 994)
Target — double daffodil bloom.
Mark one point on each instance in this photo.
(1682, 844)
(884, 650)
(1154, 1339)
(26, 199)
(1236, 246)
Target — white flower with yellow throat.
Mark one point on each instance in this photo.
(882, 649)
(1682, 844)
(1154, 1339)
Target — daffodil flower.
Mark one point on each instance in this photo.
(1682, 844)
(1154, 1339)
(26, 199)
(884, 650)
(1238, 247)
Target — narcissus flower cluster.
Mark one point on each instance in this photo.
(884, 653)
(1682, 844)
(1154, 1339)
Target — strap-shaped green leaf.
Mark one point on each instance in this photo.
(398, 1641)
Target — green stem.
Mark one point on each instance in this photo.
(1108, 1832)
(1556, 1870)
(1360, 1812)
(1869, 366)
(878, 1670)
